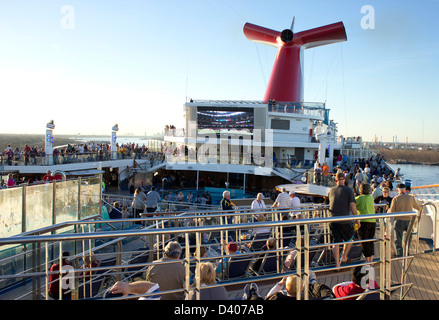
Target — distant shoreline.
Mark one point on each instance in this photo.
(419, 157)
(413, 162)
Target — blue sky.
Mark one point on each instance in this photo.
(90, 64)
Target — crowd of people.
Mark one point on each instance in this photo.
(171, 276)
(166, 276)
(142, 203)
(371, 170)
(29, 155)
(357, 191)
(12, 181)
(90, 151)
(342, 202)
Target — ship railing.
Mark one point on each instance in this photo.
(429, 196)
(288, 173)
(428, 192)
(305, 108)
(76, 157)
(32, 206)
(174, 206)
(162, 206)
(316, 177)
(207, 101)
(177, 132)
(354, 154)
(289, 163)
(43, 247)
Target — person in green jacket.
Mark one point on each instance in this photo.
(365, 205)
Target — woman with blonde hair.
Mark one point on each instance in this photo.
(207, 277)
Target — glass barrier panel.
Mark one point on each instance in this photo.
(66, 201)
(39, 206)
(90, 201)
(11, 206)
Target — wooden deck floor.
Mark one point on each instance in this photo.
(424, 274)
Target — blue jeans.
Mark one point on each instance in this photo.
(399, 228)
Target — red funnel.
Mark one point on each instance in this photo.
(286, 80)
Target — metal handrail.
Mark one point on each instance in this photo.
(149, 231)
(106, 234)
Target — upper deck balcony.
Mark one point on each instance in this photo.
(229, 115)
(75, 160)
(313, 109)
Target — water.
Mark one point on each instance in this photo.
(420, 175)
(121, 140)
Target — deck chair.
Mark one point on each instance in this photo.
(91, 288)
(287, 238)
(109, 277)
(376, 295)
(238, 266)
(259, 241)
(108, 262)
(268, 264)
(141, 256)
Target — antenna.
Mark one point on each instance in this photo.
(187, 80)
(292, 23)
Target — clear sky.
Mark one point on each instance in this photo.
(90, 64)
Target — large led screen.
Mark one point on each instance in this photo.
(220, 119)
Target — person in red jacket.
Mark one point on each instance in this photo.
(48, 176)
(54, 280)
(358, 285)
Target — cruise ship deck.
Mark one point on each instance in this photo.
(126, 250)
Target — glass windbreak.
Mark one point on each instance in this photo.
(39, 206)
(72, 202)
(90, 196)
(11, 206)
(66, 201)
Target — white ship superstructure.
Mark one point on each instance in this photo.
(274, 139)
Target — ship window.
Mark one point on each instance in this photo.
(280, 124)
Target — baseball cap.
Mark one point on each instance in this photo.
(232, 246)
